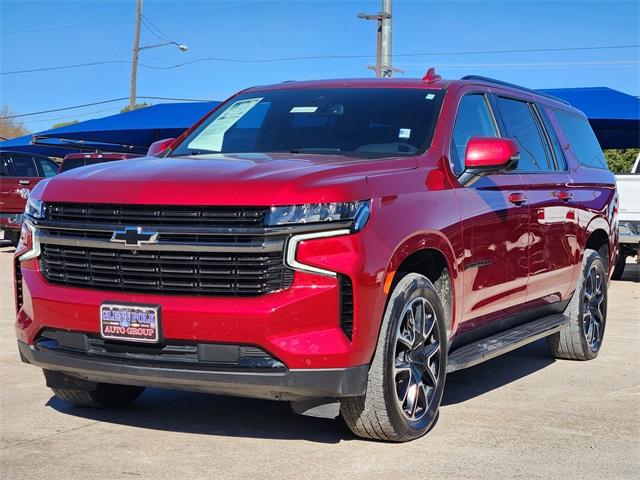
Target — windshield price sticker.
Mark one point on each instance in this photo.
(303, 109)
(212, 137)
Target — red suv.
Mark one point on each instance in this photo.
(19, 173)
(344, 241)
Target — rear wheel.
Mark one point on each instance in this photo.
(581, 338)
(407, 375)
(106, 395)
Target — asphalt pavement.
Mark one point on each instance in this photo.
(523, 415)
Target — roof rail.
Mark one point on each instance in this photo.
(513, 85)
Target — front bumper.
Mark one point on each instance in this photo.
(291, 384)
(304, 326)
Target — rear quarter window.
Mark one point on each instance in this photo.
(582, 140)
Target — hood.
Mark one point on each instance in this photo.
(239, 179)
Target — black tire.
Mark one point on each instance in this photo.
(106, 395)
(380, 414)
(573, 341)
(618, 268)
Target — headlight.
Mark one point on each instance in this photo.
(357, 212)
(28, 246)
(34, 208)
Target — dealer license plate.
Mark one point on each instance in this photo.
(136, 323)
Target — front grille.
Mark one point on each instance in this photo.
(147, 271)
(141, 215)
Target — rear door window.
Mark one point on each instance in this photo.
(4, 166)
(47, 167)
(582, 140)
(522, 126)
(473, 120)
(24, 166)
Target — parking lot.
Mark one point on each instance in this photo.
(522, 415)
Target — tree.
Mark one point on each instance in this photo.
(621, 160)
(65, 124)
(136, 107)
(10, 127)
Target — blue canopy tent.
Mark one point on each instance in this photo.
(23, 144)
(613, 115)
(130, 132)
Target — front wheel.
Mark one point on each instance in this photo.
(407, 374)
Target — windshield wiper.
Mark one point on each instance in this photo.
(319, 151)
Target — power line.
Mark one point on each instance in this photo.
(83, 25)
(101, 103)
(74, 116)
(323, 57)
(155, 30)
(62, 67)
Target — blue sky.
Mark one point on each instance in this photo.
(35, 34)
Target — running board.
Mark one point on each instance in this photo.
(504, 342)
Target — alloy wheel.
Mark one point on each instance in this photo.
(417, 356)
(594, 307)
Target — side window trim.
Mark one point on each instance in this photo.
(552, 138)
(544, 136)
(486, 95)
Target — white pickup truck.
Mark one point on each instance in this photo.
(628, 218)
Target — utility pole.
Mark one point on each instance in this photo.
(385, 37)
(383, 67)
(134, 59)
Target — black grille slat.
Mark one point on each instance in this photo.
(203, 273)
(142, 215)
(346, 305)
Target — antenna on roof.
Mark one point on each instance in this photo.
(431, 76)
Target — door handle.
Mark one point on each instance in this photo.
(563, 195)
(23, 182)
(517, 198)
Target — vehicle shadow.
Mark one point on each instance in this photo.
(240, 417)
(476, 381)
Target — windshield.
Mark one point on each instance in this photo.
(377, 122)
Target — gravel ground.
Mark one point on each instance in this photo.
(523, 415)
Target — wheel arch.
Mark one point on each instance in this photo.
(430, 255)
(598, 239)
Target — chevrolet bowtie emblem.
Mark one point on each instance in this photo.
(134, 236)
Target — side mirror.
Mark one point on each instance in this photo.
(487, 155)
(156, 148)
